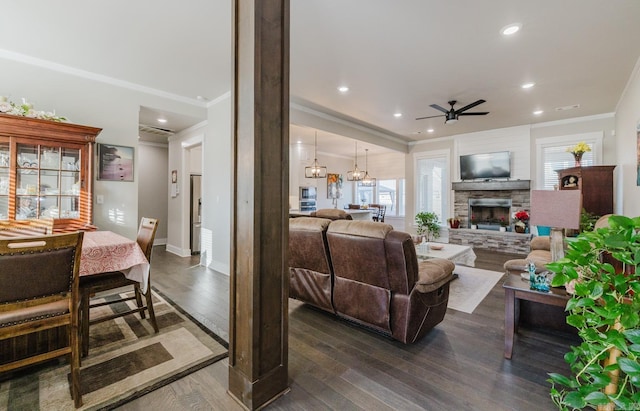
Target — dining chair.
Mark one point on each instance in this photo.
(91, 284)
(39, 291)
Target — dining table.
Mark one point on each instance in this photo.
(106, 251)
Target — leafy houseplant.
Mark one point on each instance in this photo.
(600, 269)
(428, 223)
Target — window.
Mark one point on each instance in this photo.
(389, 192)
(432, 183)
(553, 155)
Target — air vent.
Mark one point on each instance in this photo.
(155, 130)
(571, 107)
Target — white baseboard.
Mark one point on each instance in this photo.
(160, 241)
(220, 267)
(181, 252)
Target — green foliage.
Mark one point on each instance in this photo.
(428, 223)
(604, 309)
(587, 220)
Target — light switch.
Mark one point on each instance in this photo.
(100, 199)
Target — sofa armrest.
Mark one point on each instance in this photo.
(433, 274)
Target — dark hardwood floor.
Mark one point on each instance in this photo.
(334, 365)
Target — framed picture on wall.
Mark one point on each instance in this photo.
(334, 186)
(115, 163)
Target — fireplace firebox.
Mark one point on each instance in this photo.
(489, 213)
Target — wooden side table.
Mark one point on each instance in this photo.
(516, 289)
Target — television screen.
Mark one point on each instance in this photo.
(485, 166)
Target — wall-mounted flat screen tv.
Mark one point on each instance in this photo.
(485, 166)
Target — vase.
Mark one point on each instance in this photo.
(578, 159)
(503, 229)
(519, 229)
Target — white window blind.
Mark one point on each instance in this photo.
(556, 157)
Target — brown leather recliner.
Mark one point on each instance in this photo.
(310, 273)
(331, 214)
(379, 283)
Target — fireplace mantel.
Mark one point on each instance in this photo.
(491, 185)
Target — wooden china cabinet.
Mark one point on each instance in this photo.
(594, 182)
(46, 172)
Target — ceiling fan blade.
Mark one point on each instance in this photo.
(477, 113)
(422, 118)
(437, 107)
(472, 105)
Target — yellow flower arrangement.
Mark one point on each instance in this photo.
(579, 149)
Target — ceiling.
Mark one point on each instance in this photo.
(397, 56)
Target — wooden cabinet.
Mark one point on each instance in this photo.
(595, 183)
(46, 171)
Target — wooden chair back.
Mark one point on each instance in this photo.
(146, 235)
(38, 291)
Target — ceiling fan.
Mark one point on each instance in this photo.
(451, 116)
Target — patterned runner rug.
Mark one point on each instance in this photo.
(126, 360)
(471, 287)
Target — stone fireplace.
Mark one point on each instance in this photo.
(488, 202)
(489, 213)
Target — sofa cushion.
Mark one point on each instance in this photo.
(433, 274)
(309, 223)
(332, 214)
(360, 228)
(541, 243)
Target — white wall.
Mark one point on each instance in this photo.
(153, 188)
(99, 104)
(217, 188)
(628, 149)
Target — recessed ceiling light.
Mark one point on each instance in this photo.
(430, 130)
(397, 115)
(538, 112)
(162, 120)
(343, 89)
(528, 85)
(511, 29)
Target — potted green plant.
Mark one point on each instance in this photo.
(599, 270)
(428, 224)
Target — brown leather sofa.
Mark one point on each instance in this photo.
(540, 254)
(331, 214)
(368, 273)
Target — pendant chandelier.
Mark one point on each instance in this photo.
(367, 181)
(355, 174)
(315, 170)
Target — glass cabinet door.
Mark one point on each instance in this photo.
(4, 180)
(47, 182)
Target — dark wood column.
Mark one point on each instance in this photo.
(258, 347)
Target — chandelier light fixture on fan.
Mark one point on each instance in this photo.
(367, 181)
(315, 170)
(355, 174)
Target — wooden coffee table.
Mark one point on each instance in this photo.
(515, 289)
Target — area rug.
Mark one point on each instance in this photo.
(471, 287)
(126, 360)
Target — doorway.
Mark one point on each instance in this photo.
(195, 214)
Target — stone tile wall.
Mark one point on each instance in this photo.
(502, 242)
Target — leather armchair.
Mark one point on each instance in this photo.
(540, 254)
(310, 273)
(379, 283)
